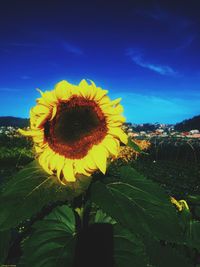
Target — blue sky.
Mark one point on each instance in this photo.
(146, 52)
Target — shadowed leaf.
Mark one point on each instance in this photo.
(5, 237)
(137, 204)
(128, 247)
(52, 242)
(31, 189)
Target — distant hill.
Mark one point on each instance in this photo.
(145, 127)
(14, 121)
(187, 125)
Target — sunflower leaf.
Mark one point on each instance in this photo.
(128, 248)
(164, 255)
(133, 145)
(29, 191)
(137, 204)
(5, 237)
(52, 242)
(192, 234)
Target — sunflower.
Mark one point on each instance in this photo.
(75, 129)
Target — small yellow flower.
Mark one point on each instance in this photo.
(75, 129)
(180, 204)
(128, 154)
(143, 144)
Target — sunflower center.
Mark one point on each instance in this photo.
(78, 125)
(75, 122)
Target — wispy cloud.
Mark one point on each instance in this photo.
(138, 58)
(72, 48)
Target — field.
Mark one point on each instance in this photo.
(172, 163)
(15, 152)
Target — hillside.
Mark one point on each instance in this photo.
(13, 121)
(187, 125)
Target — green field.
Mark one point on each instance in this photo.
(173, 164)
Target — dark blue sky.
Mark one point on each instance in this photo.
(147, 52)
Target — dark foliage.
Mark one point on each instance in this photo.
(189, 124)
(14, 122)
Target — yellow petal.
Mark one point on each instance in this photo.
(49, 98)
(114, 124)
(33, 117)
(43, 160)
(63, 90)
(54, 110)
(104, 100)
(68, 171)
(83, 83)
(113, 103)
(39, 149)
(112, 111)
(92, 83)
(116, 101)
(112, 145)
(91, 91)
(40, 109)
(99, 155)
(46, 162)
(115, 118)
(39, 122)
(25, 132)
(33, 133)
(89, 162)
(81, 168)
(53, 162)
(59, 165)
(38, 139)
(115, 131)
(86, 90)
(119, 109)
(40, 91)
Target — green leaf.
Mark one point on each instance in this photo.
(53, 241)
(197, 211)
(5, 237)
(161, 255)
(193, 234)
(128, 247)
(30, 190)
(194, 199)
(101, 217)
(133, 145)
(137, 204)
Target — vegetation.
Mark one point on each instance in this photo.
(145, 127)
(174, 166)
(190, 124)
(15, 152)
(14, 122)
